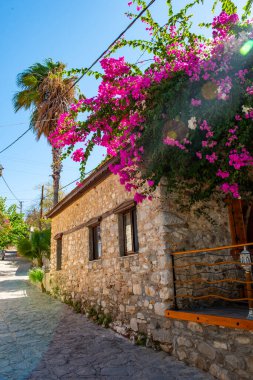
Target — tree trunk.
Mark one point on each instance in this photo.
(43, 289)
(56, 168)
(40, 261)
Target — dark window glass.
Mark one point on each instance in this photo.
(58, 254)
(95, 242)
(129, 231)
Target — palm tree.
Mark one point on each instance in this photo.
(47, 93)
(36, 247)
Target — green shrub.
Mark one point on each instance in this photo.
(107, 320)
(36, 275)
(99, 317)
(36, 247)
(77, 306)
(141, 340)
(92, 312)
(55, 291)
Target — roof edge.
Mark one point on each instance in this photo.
(98, 175)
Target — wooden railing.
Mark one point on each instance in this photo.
(212, 276)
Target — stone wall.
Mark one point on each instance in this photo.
(226, 353)
(121, 286)
(135, 290)
(204, 226)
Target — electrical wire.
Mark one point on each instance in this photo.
(144, 51)
(68, 184)
(10, 189)
(22, 123)
(93, 64)
(7, 147)
(108, 48)
(24, 200)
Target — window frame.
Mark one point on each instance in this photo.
(94, 242)
(59, 253)
(122, 232)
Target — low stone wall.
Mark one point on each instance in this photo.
(226, 353)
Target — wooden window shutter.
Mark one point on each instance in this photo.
(95, 242)
(121, 234)
(58, 254)
(135, 232)
(91, 248)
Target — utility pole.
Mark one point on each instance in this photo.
(21, 206)
(41, 206)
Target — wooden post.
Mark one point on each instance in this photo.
(174, 283)
(248, 276)
(41, 206)
(245, 259)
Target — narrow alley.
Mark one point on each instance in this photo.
(44, 339)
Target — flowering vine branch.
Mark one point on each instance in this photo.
(187, 117)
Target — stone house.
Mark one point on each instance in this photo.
(114, 256)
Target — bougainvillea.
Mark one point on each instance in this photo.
(187, 117)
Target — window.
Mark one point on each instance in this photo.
(128, 237)
(95, 242)
(59, 254)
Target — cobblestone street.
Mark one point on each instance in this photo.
(44, 339)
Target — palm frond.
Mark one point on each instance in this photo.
(44, 87)
(24, 99)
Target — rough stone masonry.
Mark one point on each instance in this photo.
(135, 290)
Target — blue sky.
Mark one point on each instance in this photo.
(74, 33)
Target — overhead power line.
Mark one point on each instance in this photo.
(22, 123)
(10, 189)
(93, 64)
(109, 47)
(13, 142)
(68, 184)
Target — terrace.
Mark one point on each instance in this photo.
(214, 286)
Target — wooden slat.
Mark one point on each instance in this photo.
(204, 250)
(206, 264)
(214, 320)
(202, 281)
(214, 296)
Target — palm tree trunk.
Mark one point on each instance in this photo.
(56, 168)
(40, 261)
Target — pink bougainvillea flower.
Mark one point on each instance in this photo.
(78, 155)
(233, 189)
(249, 90)
(220, 173)
(139, 197)
(195, 102)
(172, 142)
(150, 182)
(212, 157)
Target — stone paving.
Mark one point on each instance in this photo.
(43, 339)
